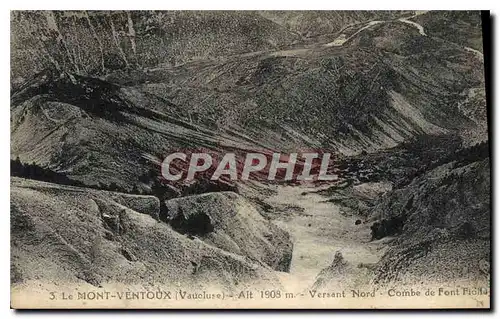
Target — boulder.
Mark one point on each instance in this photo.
(145, 204)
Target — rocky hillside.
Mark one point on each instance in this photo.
(363, 95)
(90, 237)
(443, 221)
(397, 97)
(97, 42)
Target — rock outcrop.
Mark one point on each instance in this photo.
(444, 219)
(228, 221)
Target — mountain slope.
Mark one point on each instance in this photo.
(398, 98)
(89, 237)
(445, 219)
(363, 96)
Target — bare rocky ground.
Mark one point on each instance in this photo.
(222, 239)
(434, 231)
(318, 232)
(79, 236)
(447, 226)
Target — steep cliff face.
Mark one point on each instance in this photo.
(397, 97)
(444, 226)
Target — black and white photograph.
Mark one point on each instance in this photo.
(262, 159)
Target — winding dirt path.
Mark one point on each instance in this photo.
(317, 233)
